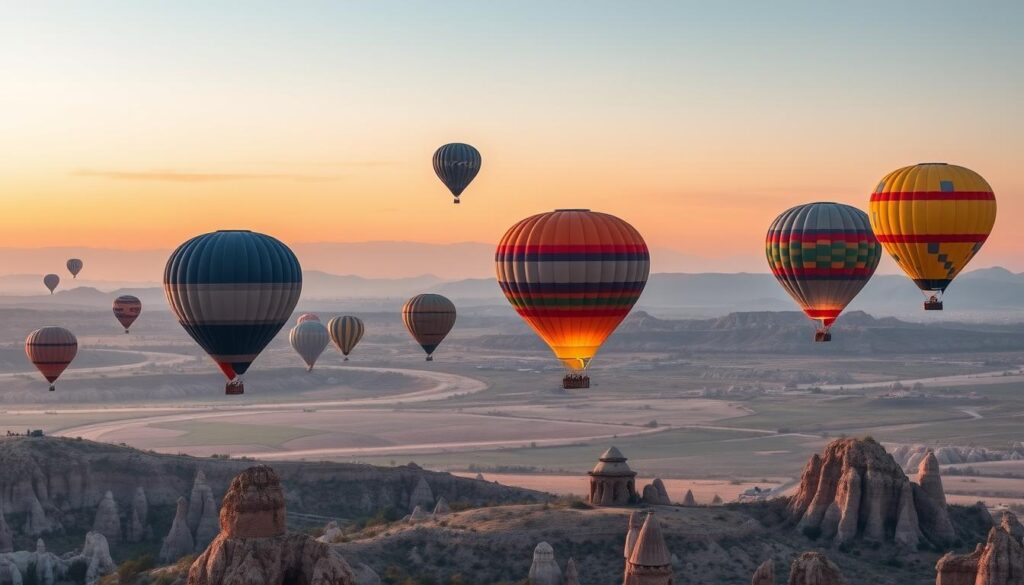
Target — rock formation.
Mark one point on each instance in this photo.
(572, 574)
(96, 553)
(108, 520)
(544, 570)
(201, 494)
(9, 573)
(650, 562)
(656, 494)
(688, 499)
(442, 508)
(178, 541)
(999, 562)
(717, 500)
(812, 568)
(332, 533)
(137, 527)
(6, 538)
(930, 499)
(765, 574)
(635, 522)
(418, 515)
(254, 547)
(209, 524)
(421, 495)
(612, 482)
(856, 490)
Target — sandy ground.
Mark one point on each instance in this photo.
(678, 412)
(704, 490)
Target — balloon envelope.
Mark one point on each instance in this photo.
(346, 331)
(429, 318)
(50, 350)
(74, 267)
(932, 218)
(233, 291)
(307, 317)
(573, 275)
(309, 339)
(127, 309)
(51, 281)
(822, 254)
(456, 164)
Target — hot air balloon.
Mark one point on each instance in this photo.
(309, 339)
(233, 291)
(51, 281)
(307, 317)
(429, 318)
(456, 164)
(573, 275)
(126, 310)
(346, 332)
(50, 350)
(74, 267)
(933, 218)
(822, 254)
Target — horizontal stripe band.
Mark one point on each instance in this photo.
(933, 196)
(571, 287)
(571, 248)
(38, 344)
(931, 238)
(571, 256)
(569, 313)
(825, 273)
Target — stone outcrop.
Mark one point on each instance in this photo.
(812, 568)
(655, 493)
(209, 524)
(178, 541)
(633, 531)
(765, 574)
(442, 508)
(612, 482)
(544, 570)
(108, 519)
(717, 500)
(572, 574)
(418, 515)
(930, 499)
(650, 563)
(6, 538)
(254, 546)
(421, 495)
(332, 533)
(857, 490)
(137, 527)
(45, 568)
(201, 493)
(9, 573)
(688, 499)
(96, 553)
(999, 562)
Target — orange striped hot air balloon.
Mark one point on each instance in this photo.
(573, 275)
(933, 218)
(50, 350)
(307, 317)
(127, 309)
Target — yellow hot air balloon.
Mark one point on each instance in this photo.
(933, 218)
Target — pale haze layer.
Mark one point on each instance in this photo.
(135, 126)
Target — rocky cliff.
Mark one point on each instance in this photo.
(55, 485)
(999, 562)
(855, 490)
(254, 546)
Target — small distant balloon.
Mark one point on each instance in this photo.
(127, 309)
(429, 318)
(456, 164)
(307, 317)
(346, 331)
(309, 339)
(74, 267)
(51, 281)
(51, 350)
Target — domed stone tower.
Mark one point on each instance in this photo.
(612, 482)
(650, 562)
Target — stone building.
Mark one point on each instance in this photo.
(612, 482)
(650, 563)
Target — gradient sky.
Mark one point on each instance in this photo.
(138, 124)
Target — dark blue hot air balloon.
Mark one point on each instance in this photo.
(232, 291)
(456, 164)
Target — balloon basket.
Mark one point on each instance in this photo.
(575, 382)
(822, 336)
(430, 358)
(456, 201)
(232, 388)
(52, 387)
(345, 360)
(932, 305)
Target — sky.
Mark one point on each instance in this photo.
(136, 125)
